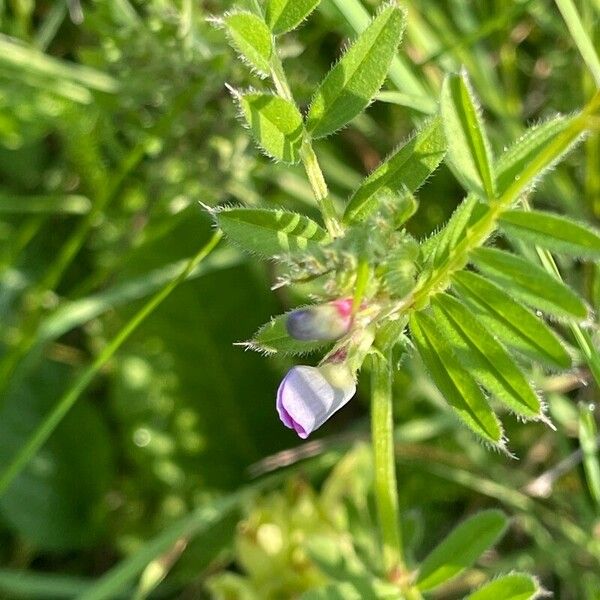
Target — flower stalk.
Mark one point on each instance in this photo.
(386, 486)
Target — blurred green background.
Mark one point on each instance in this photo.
(115, 124)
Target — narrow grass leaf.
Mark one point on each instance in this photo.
(273, 338)
(487, 360)
(356, 78)
(463, 546)
(284, 15)
(582, 40)
(529, 283)
(454, 381)
(553, 232)
(512, 322)
(588, 439)
(516, 586)
(407, 168)
(270, 232)
(196, 523)
(276, 125)
(249, 35)
(469, 153)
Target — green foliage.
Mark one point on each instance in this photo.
(554, 232)
(510, 321)
(530, 283)
(487, 360)
(275, 123)
(284, 15)
(461, 548)
(406, 169)
(356, 78)
(249, 35)
(114, 125)
(454, 381)
(516, 586)
(270, 232)
(469, 152)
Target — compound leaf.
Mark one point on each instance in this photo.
(454, 381)
(530, 283)
(511, 321)
(487, 360)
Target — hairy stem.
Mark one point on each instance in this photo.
(308, 156)
(49, 424)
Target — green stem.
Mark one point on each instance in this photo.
(386, 487)
(319, 187)
(43, 432)
(382, 432)
(308, 156)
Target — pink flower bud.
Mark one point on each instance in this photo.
(308, 396)
(323, 322)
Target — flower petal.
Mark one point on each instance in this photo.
(308, 396)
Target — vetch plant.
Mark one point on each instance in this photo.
(472, 309)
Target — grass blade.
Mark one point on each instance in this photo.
(44, 431)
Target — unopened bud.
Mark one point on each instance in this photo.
(324, 322)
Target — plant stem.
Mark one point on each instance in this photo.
(382, 432)
(308, 156)
(49, 424)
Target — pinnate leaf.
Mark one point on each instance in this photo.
(455, 383)
(270, 232)
(487, 360)
(251, 38)
(530, 283)
(469, 153)
(406, 169)
(516, 586)
(285, 15)
(276, 124)
(461, 548)
(511, 321)
(356, 78)
(553, 232)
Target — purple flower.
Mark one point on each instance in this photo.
(308, 396)
(323, 322)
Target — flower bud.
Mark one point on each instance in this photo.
(323, 322)
(308, 396)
